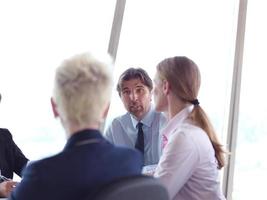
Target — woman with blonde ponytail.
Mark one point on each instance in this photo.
(192, 154)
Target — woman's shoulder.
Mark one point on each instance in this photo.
(187, 131)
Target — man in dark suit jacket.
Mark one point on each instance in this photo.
(11, 160)
(81, 97)
(11, 157)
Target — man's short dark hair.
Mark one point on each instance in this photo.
(135, 73)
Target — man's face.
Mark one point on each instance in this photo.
(136, 97)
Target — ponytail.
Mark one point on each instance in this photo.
(199, 117)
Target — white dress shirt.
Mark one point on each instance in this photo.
(188, 167)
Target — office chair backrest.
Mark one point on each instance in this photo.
(133, 188)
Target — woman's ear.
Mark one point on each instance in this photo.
(165, 87)
(54, 107)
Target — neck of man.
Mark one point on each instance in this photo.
(139, 118)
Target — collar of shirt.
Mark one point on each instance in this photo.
(147, 120)
(174, 123)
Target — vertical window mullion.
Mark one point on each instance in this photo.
(235, 99)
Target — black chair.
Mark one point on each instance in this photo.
(133, 188)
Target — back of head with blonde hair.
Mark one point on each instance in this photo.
(82, 89)
(184, 78)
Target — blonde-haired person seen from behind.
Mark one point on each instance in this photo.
(192, 154)
(81, 98)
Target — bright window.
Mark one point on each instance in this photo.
(202, 30)
(35, 37)
(250, 173)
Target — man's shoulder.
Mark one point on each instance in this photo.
(159, 116)
(42, 163)
(49, 167)
(125, 116)
(111, 151)
(157, 112)
(118, 127)
(121, 120)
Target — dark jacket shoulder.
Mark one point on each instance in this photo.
(5, 135)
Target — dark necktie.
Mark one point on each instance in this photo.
(140, 138)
